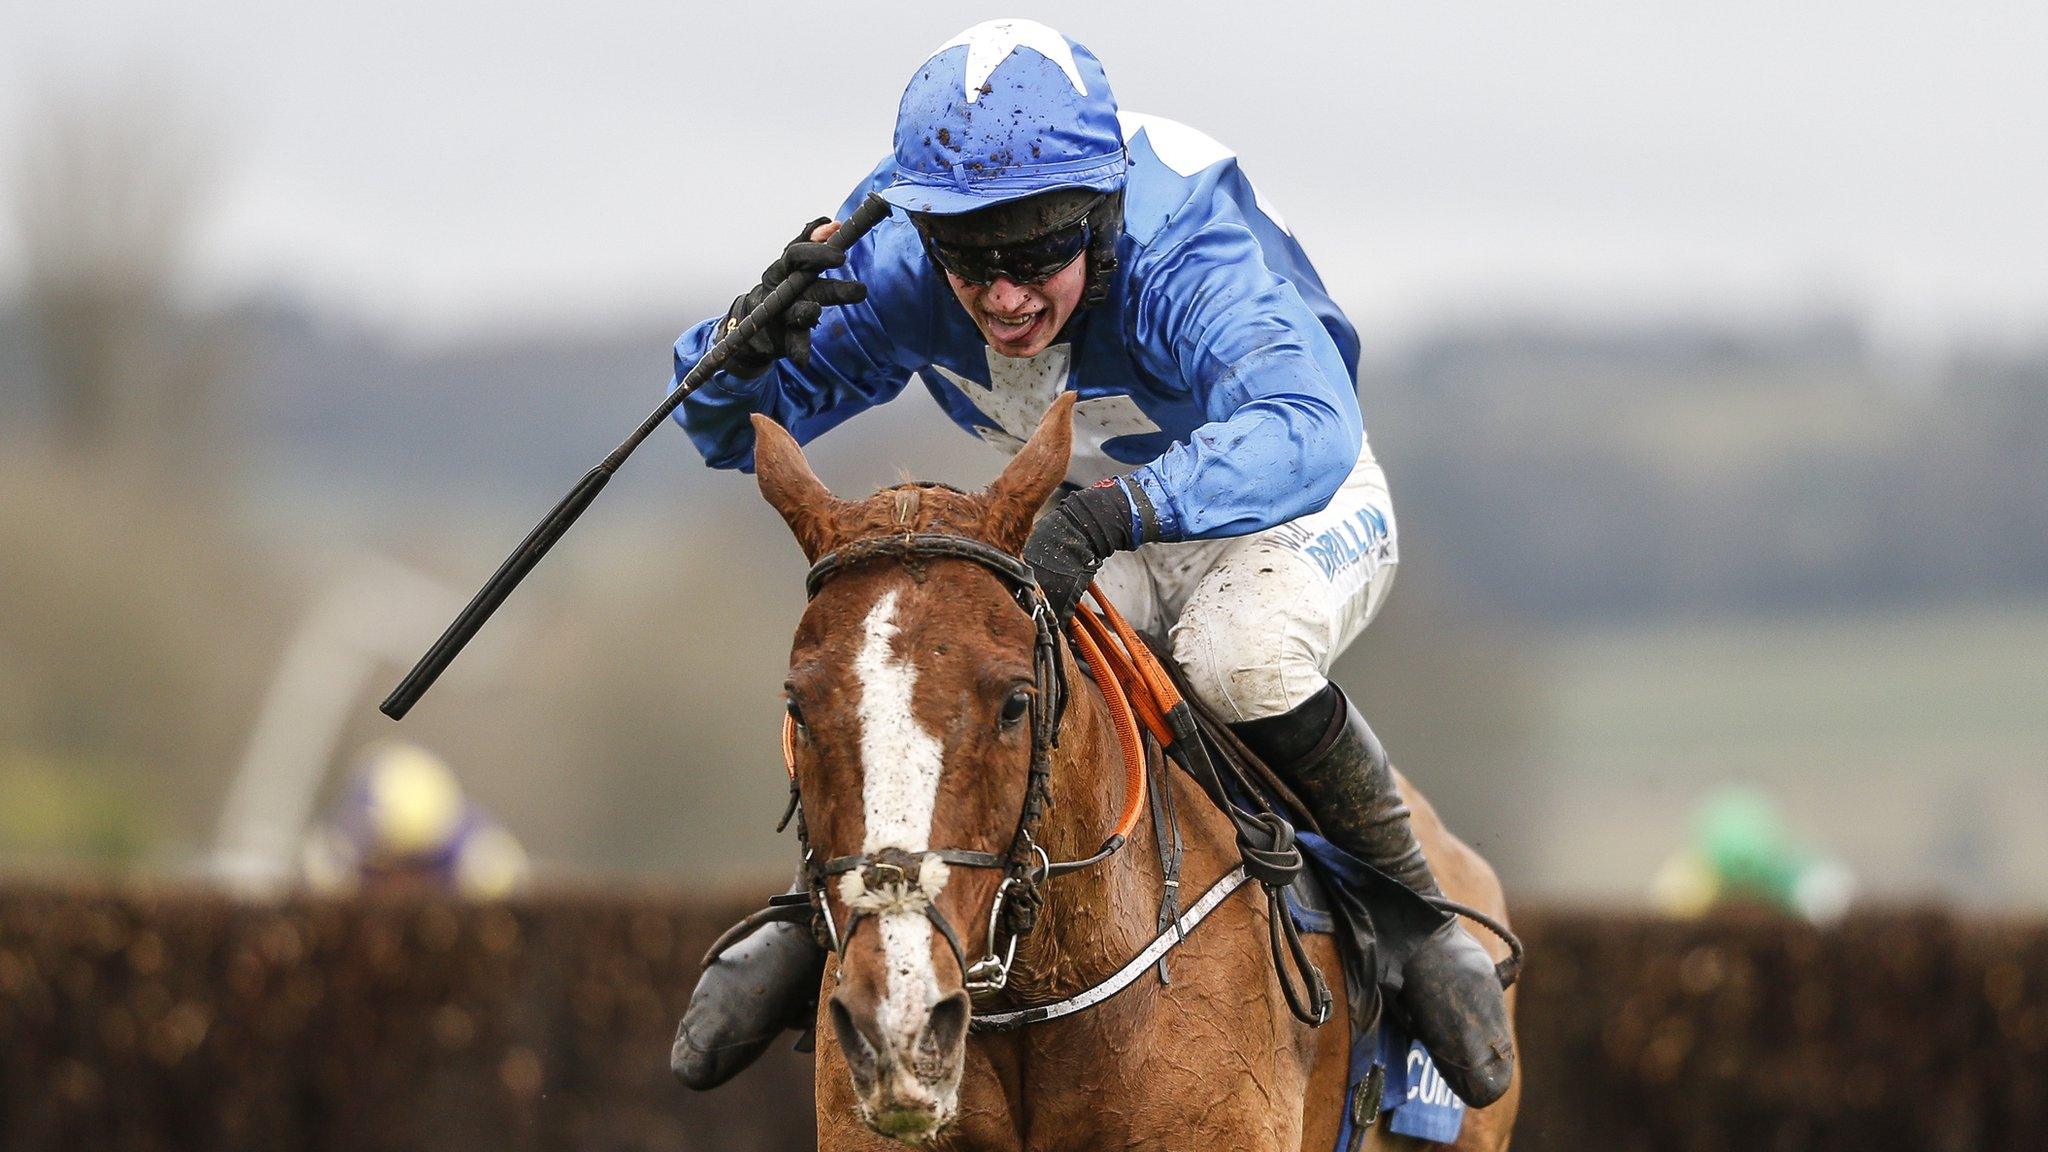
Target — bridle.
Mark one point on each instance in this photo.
(895, 879)
(893, 875)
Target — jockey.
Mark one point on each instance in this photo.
(1221, 489)
(404, 823)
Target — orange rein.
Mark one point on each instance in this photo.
(1096, 650)
(1135, 686)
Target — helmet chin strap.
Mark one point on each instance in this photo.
(1105, 228)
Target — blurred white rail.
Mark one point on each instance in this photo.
(376, 614)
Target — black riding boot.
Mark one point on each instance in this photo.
(765, 983)
(1450, 995)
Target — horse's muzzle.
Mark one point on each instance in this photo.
(908, 1088)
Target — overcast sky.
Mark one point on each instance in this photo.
(444, 167)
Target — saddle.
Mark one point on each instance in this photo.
(1376, 920)
(1375, 923)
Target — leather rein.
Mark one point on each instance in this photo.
(894, 879)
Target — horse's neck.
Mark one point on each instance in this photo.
(1098, 918)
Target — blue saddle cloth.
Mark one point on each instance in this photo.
(1340, 895)
(1410, 1090)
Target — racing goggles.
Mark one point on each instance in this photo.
(1027, 261)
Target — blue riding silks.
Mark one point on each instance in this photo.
(1218, 373)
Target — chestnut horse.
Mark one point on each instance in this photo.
(909, 686)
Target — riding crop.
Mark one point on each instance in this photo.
(551, 528)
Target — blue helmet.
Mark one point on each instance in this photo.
(1006, 109)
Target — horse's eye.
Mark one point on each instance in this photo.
(796, 714)
(1015, 707)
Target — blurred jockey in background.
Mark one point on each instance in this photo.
(1741, 854)
(404, 823)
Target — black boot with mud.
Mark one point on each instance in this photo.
(762, 985)
(1451, 995)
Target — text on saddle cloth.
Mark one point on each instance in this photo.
(1392, 1076)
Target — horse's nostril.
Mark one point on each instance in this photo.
(862, 1056)
(947, 1029)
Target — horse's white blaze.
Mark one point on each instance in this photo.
(900, 764)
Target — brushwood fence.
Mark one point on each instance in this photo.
(175, 1020)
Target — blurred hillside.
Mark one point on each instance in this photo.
(1693, 469)
(1564, 473)
(1639, 562)
(1559, 490)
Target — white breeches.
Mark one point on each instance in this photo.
(1256, 621)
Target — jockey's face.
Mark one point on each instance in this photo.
(1022, 319)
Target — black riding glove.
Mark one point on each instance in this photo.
(790, 333)
(1069, 544)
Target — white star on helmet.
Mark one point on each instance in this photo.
(991, 42)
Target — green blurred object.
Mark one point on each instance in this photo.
(1743, 839)
(1742, 853)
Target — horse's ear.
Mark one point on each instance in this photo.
(1022, 489)
(788, 483)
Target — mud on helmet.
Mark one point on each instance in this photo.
(1008, 156)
